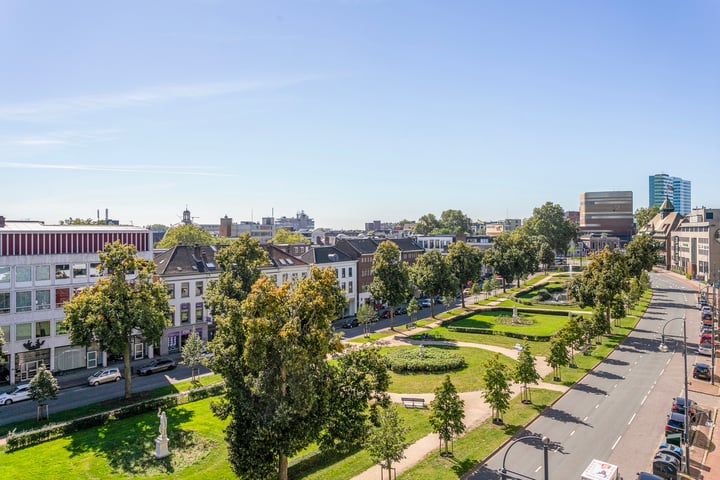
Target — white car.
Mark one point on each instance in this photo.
(20, 393)
(104, 376)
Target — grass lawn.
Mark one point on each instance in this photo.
(480, 442)
(442, 333)
(543, 324)
(466, 380)
(373, 337)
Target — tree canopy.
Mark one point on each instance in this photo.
(447, 412)
(641, 254)
(43, 387)
(644, 215)
(432, 275)
(513, 255)
(192, 353)
(284, 237)
(391, 282)
(525, 371)
(386, 441)
(426, 224)
(189, 234)
(497, 391)
(549, 221)
(123, 302)
(466, 264)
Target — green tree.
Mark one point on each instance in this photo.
(604, 277)
(192, 353)
(641, 253)
(391, 282)
(513, 255)
(644, 215)
(426, 224)
(432, 274)
(488, 287)
(497, 387)
(558, 356)
(447, 412)
(189, 234)
(157, 227)
(123, 302)
(599, 324)
(284, 237)
(80, 221)
(465, 263)
(455, 222)
(386, 442)
(525, 371)
(549, 221)
(617, 309)
(366, 315)
(413, 308)
(43, 387)
(574, 336)
(546, 255)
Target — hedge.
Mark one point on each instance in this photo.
(432, 360)
(49, 432)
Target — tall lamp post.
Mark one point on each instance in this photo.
(664, 348)
(546, 444)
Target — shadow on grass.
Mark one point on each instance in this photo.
(128, 445)
(316, 462)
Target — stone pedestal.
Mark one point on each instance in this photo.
(161, 447)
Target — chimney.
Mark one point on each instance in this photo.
(2, 221)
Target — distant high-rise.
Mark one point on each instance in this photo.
(664, 186)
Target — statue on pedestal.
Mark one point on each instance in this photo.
(163, 423)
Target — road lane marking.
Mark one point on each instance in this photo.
(585, 419)
(538, 469)
(632, 418)
(572, 433)
(643, 400)
(596, 406)
(668, 361)
(662, 371)
(615, 385)
(616, 442)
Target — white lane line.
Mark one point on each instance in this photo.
(596, 406)
(572, 433)
(616, 442)
(668, 361)
(632, 418)
(643, 400)
(585, 419)
(662, 371)
(615, 385)
(538, 469)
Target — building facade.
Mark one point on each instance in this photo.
(41, 268)
(696, 245)
(676, 189)
(607, 213)
(345, 271)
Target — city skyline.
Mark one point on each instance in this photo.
(351, 110)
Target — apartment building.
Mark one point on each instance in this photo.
(696, 245)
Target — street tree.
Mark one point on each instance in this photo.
(549, 221)
(455, 222)
(617, 309)
(465, 263)
(124, 303)
(189, 234)
(447, 411)
(391, 283)
(192, 354)
(574, 336)
(525, 371)
(644, 215)
(546, 255)
(598, 325)
(641, 253)
(432, 274)
(514, 255)
(386, 441)
(413, 308)
(426, 224)
(43, 387)
(284, 236)
(604, 277)
(558, 356)
(366, 314)
(497, 387)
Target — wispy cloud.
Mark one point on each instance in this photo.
(138, 98)
(147, 169)
(60, 138)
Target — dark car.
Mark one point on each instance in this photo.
(350, 323)
(400, 310)
(384, 314)
(157, 365)
(701, 371)
(678, 406)
(647, 476)
(666, 466)
(675, 424)
(671, 450)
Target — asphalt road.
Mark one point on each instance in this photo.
(618, 411)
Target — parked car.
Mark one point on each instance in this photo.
(675, 424)
(666, 466)
(701, 371)
(647, 476)
(157, 365)
(350, 323)
(678, 406)
(425, 302)
(400, 310)
(104, 376)
(20, 393)
(669, 449)
(384, 314)
(706, 315)
(705, 309)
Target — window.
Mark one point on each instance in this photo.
(23, 274)
(23, 331)
(62, 295)
(171, 316)
(42, 300)
(42, 272)
(94, 272)
(23, 301)
(62, 271)
(199, 312)
(343, 273)
(4, 275)
(79, 270)
(185, 289)
(42, 329)
(343, 287)
(171, 290)
(6, 334)
(61, 328)
(350, 287)
(184, 313)
(349, 271)
(5, 303)
(198, 289)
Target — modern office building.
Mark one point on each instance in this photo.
(696, 245)
(676, 189)
(607, 214)
(41, 268)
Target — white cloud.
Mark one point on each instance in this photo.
(138, 98)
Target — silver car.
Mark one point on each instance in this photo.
(20, 393)
(104, 376)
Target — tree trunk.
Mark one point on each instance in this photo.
(128, 369)
(283, 467)
(392, 317)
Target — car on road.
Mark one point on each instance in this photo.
(701, 371)
(350, 323)
(400, 310)
(104, 376)
(157, 365)
(425, 302)
(21, 392)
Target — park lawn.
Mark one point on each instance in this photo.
(442, 333)
(467, 379)
(373, 337)
(480, 442)
(544, 325)
(125, 449)
(318, 465)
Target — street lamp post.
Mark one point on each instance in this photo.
(664, 348)
(546, 444)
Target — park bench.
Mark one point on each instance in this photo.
(409, 402)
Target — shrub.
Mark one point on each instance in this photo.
(424, 359)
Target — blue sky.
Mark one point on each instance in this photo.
(351, 110)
